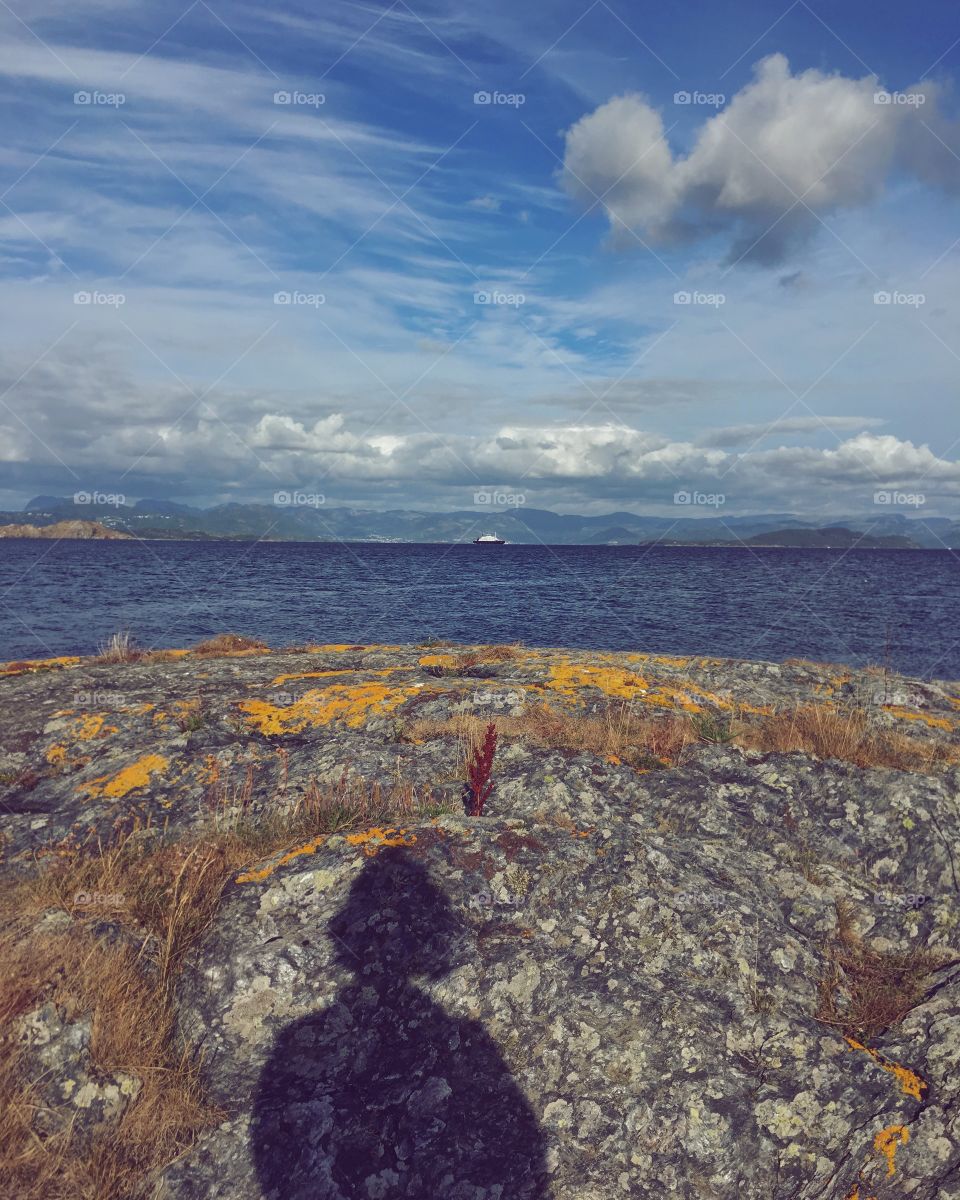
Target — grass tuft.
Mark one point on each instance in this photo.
(863, 991)
(616, 732)
(229, 643)
(847, 734)
(119, 648)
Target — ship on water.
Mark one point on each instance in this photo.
(489, 539)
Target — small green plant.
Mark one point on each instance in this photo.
(193, 715)
(714, 730)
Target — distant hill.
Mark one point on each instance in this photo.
(84, 530)
(160, 519)
(833, 537)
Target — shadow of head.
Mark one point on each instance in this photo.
(396, 923)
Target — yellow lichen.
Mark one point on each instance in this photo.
(136, 775)
(56, 755)
(376, 839)
(39, 664)
(92, 726)
(906, 714)
(888, 1141)
(447, 661)
(350, 704)
(568, 678)
(265, 872)
(909, 1081)
(668, 661)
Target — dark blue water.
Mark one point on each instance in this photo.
(865, 606)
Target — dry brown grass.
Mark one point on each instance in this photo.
(863, 991)
(168, 897)
(847, 734)
(225, 644)
(646, 741)
(169, 893)
(119, 648)
(615, 733)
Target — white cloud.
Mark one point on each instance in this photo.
(786, 149)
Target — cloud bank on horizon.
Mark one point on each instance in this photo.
(395, 253)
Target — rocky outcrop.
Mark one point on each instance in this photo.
(63, 529)
(56, 1053)
(621, 980)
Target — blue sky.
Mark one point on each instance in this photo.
(249, 248)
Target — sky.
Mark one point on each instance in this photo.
(587, 256)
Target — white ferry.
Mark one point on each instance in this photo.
(489, 539)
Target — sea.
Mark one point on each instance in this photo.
(898, 609)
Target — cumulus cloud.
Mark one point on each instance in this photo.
(786, 150)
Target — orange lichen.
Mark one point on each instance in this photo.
(378, 838)
(350, 704)
(56, 755)
(906, 714)
(340, 647)
(39, 664)
(92, 726)
(261, 873)
(664, 695)
(447, 661)
(888, 1141)
(568, 678)
(136, 775)
(909, 1081)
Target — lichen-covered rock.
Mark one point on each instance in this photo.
(71, 1091)
(610, 984)
(624, 969)
(86, 746)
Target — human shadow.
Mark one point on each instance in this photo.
(383, 1095)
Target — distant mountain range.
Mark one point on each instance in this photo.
(322, 522)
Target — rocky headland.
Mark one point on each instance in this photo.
(702, 941)
(82, 530)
